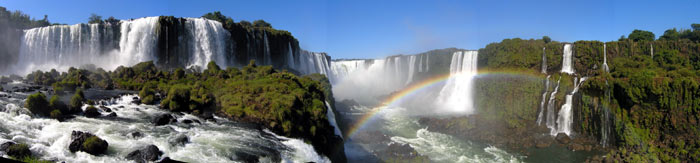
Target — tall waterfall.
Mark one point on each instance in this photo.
(540, 116)
(209, 42)
(652, 51)
(551, 107)
(411, 69)
(456, 95)
(605, 58)
(566, 115)
(544, 60)
(112, 45)
(567, 63)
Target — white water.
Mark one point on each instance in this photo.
(566, 117)
(420, 64)
(63, 46)
(209, 42)
(331, 119)
(567, 63)
(456, 95)
(652, 51)
(544, 100)
(605, 58)
(544, 61)
(290, 56)
(551, 117)
(411, 69)
(208, 142)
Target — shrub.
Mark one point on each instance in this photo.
(95, 145)
(37, 104)
(56, 114)
(77, 100)
(147, 95)
(19, 150)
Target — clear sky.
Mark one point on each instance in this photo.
(372, 29)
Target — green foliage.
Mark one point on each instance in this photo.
(77, 100)
(261, 24)
(641, 35)
(56, 114)
(226, 21)
(147, 95)
(671, 34)
(94, 145)
(546, 39)
(111, 20)
(19, 150)
(37, 104)
(94, 18)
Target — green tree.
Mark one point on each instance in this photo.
(622, 38)
(546, 39)
(78, 99)
(638, 35)
(245, 24)
(37, 104)
(94, 18)
(112, 20)
(261, 23)
(696, 27)
(671, 34)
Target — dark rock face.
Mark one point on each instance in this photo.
(146, 154)
(245, 157)
(163, 119)
(168, 160)
(87, 142)
(136, 134)
(563, 138)
(111, 115)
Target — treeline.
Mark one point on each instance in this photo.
(11, 25)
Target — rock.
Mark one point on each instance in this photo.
(187, 121)
(542, 144)
(147, 154)
(136, 100)
(106, 109)
(91, 112)
(87, 142)
(180, 140)
(136, 134)
(111, 115)
(576, 147)
(563, 138)
(120, 106)
(163, 119)
(15, 150)
(168, 160)
(245, 157)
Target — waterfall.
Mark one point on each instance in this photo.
(544, 61)
(567, 63)
(267, 60)
(551, 124)
(543, 102)
(605, 58)
(124, 44)
(652, 51)
(427, 63)
(411, 69)
(290, 56)
(331, 119)
(456, 95)
(209, 42)
(342, 69)
(566, 116)
(420, 64)
(605, 121)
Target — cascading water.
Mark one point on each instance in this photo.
(290, 56)
(543, 102)
(267, 60)
(566, 116)
(420, 64)
(567, 63)
(209, 42)
(605, 58)
(652, 51)
(49, 138)
(411, 69)
(111, 45)
(551, 107)
(544, 60)
(331, 119)
(456, 95)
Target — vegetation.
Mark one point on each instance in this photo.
(77, 100)
(641, 35)
(94, 145)
(95, 19)
(37, 104)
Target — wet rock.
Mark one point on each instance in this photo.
(576, 147)
(136, 134)
(563, 138)
(245, 157)
(146, 154)
(168, 160)
(91, 112)
(136, 100)
(180, 140)
(120, 106)
(190, 121)
(163, 119)
(15, 150)
(87, 142)
(111, 115)
(106, 109)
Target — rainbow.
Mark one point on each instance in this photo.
(415, 88)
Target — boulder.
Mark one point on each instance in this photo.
(168, 160)
(576, 147)
(16, 150)
(87, 142)
(245, 157)
(179, 140)
(163, 119)
(146, 154)
(136, 134)
(111, 115)
(91, 112)
(563, 138)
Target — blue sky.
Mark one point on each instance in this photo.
(372, 29)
